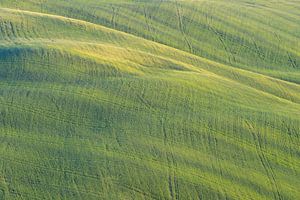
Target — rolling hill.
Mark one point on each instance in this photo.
(149, 99)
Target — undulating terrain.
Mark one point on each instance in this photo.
(150, 99)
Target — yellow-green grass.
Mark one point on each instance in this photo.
(93, 108)
(261, 36)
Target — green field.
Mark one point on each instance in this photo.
(150, 99)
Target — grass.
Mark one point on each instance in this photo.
(149, 100)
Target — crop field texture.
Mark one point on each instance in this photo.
(149, 100)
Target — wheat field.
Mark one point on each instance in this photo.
(150, 99)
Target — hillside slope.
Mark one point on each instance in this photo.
(257, 35)
(93, 108)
